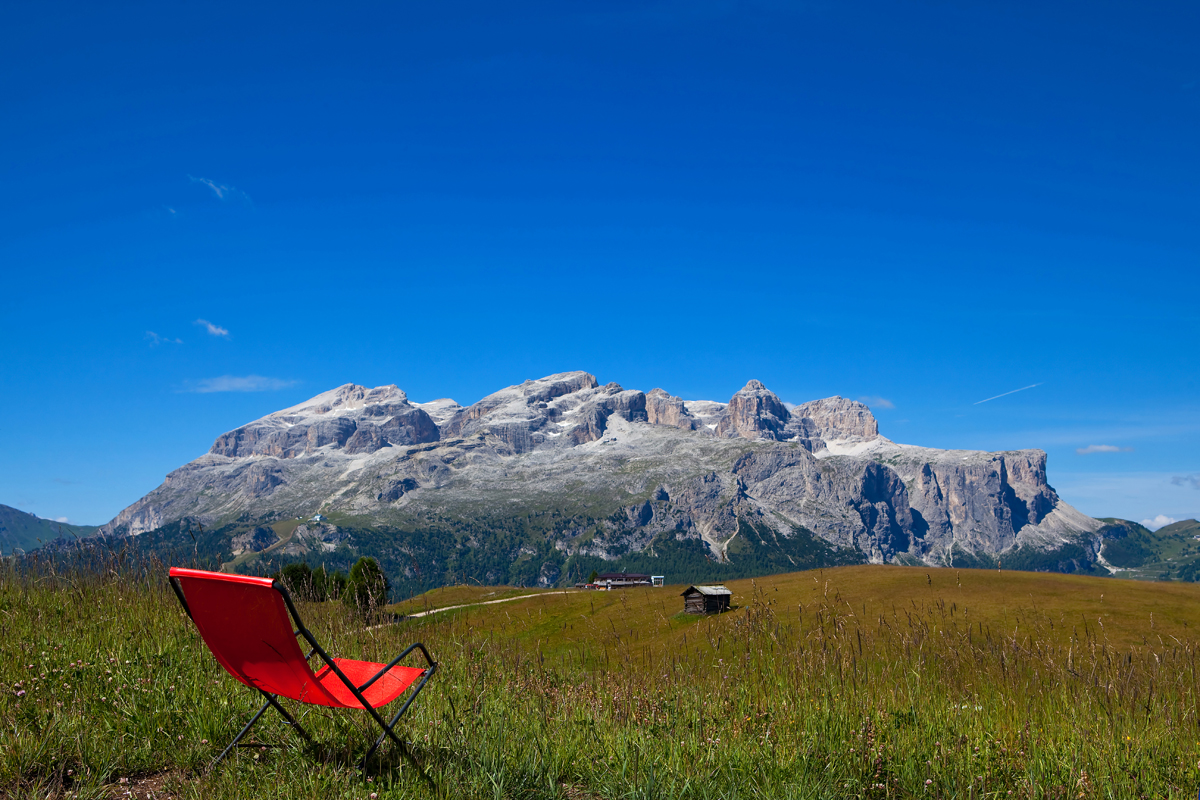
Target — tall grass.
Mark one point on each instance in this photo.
(103, 678)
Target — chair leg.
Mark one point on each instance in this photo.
(291, 722)
(387, 731)
(271, 703)
(244, 731)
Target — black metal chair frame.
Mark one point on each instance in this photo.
(272, 702)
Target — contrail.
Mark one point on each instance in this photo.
(1014, 391)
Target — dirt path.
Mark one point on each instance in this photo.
(468, 605)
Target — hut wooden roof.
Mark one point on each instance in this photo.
(711, 591)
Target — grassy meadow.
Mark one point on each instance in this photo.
(871, 682)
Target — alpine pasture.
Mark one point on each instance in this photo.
(864, 681)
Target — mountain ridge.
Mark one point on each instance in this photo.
(617, 470)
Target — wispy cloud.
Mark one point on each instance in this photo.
(61, 519)
(877, 402)
(1102, 448)
(223, 192)
(233, 383)
(1158, 522)
(156, 340)
(213, 330)
(1187, 480)
(1006, 394)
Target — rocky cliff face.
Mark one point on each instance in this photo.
(619, 469)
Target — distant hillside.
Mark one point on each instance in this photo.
(1170, 553)
(20, 530)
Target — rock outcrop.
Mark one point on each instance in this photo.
(754, 413)
(255, 540)
(833, 419)
(664, 409)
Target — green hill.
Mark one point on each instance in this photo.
(20, 530)
(1170, 553)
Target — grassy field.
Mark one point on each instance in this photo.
(870, 682)
(1030, 606)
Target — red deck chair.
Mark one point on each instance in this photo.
(244, 621)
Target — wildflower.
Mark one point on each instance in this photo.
(204, 741)
(928, 781)
(374, 795)
(21, 693)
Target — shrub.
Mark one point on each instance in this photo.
(313, 585)
(367, 587)
(298, 578)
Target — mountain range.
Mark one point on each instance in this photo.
(544, 480)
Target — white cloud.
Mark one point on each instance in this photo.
(214, 330)
(61, 519)
(155, 339)
(1187, 480)
(233, 383)
(1158, 522)
(877, 402)
(222, 191)
(1102, 448)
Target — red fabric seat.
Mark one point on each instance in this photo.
(247, 624)
(379, 693)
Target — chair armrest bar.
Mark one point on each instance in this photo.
(432, 664)
(416, 691)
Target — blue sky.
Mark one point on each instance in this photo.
(923, 203)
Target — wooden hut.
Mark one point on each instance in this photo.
(706, 599)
